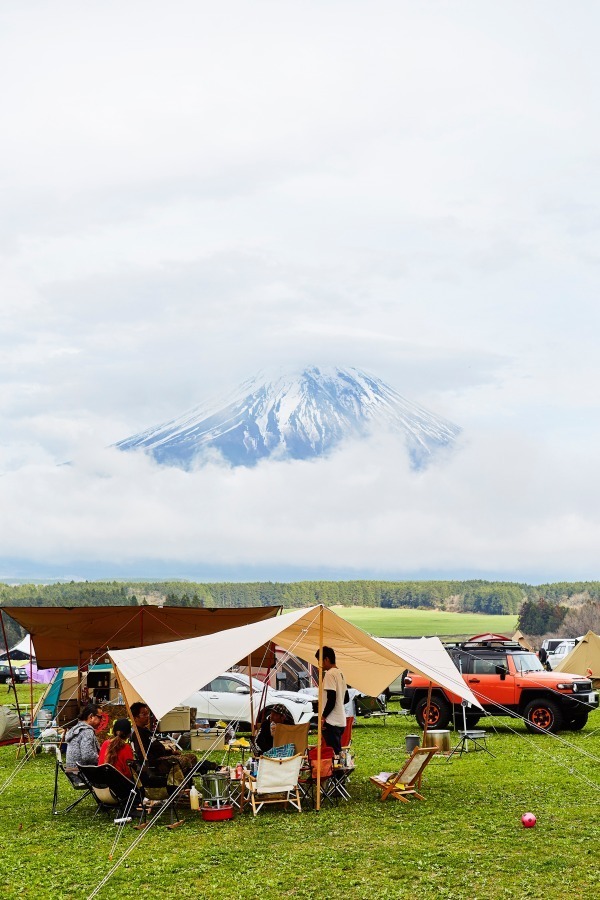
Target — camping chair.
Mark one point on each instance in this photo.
(74, 780)
(276, 782)
(157, 790)
(112, 790)
(401, 785)
(292, 734)
(370, 707)
(309, 779)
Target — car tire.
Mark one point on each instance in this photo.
(542, 717)
(440, 712)
(579, 721)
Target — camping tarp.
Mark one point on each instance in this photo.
(72, 636)
(164, 675)
(584, 658)
(429, 652)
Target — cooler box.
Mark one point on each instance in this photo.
(204, 741)
(178, 719)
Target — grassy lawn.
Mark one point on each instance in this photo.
(465, 841)
(418, 622)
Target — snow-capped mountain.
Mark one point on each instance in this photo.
(295, 417)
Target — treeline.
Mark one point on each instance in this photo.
(491, 597)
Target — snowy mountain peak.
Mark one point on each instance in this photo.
(295, 416)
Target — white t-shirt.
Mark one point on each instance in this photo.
(333, 680)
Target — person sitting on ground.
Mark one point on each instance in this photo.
(116, 751)
(264, 739)
(82, 744)
(158, 755)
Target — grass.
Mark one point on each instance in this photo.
(465, 841)
(418, 622)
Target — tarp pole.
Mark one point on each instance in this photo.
(320, 709)
(425, 724)
(251, 695)
(31, 685)
(427, 708)
(129, 716)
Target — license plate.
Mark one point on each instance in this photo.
(591, 698)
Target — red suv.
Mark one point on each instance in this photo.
(508, 681)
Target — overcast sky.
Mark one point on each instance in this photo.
(193, 190)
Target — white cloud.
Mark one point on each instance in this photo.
(192, 191)
(505, 507)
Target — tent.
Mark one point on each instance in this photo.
(520, 638)
(75, 636)
(584, 658)
(163, 675)
(21, 652)
(10, 728)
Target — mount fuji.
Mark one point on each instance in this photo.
(298, 416)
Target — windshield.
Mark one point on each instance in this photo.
(527, 662)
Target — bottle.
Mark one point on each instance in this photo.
(194, 798)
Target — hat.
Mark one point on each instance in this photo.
(281, 710)
(122, 725)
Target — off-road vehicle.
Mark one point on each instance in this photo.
(508, 681)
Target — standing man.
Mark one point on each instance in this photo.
(336, 694)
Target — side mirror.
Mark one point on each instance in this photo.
(242, 690)
(501, 671)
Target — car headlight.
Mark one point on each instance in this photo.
(566, 687)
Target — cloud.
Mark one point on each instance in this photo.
(198, 192)
(499, 506)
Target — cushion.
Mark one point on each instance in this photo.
(281, 752)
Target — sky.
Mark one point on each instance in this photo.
(192, 191)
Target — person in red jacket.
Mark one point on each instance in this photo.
(116, 751)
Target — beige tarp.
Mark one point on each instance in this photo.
(584, 658)
(72, 636)
(164, 675)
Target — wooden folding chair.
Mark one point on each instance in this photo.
(401, 785)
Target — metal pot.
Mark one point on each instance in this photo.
(439, 738)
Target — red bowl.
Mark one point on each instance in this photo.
(212, 814)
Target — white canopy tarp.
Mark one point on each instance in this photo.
(164, 675)
(430, 653)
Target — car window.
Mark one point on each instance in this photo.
(483, 666)
(527, 662)
(226, 685)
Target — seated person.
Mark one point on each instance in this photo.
(82, 744)
(158, 755)
(116, 751)
(264, 739)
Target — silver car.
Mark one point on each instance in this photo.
(227, 698)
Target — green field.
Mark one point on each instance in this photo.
(418, 622)
(465, 840)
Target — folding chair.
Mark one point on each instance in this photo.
(112, 790)
(292, 734)
(401, 785)
(308, 780)
(75, 782)
(276, 782)
(157, 790)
